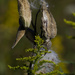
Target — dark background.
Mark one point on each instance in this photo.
(61, 9)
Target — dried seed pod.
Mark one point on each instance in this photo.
(53, 27)
(20, 34)
(24, 19)
(29, 33)
(24, 12)
(48, 23)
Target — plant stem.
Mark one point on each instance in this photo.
(34, 27)
(36, 21)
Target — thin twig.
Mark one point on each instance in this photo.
(32, 24)
(36, 21)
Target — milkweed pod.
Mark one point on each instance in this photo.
(53, 27)
(48, 23)
(24, 12)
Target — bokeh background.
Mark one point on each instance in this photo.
(61, 44)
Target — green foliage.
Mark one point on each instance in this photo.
(18, 67)
(70, 37)
(34, 60)
(73, 14)
(72, 24)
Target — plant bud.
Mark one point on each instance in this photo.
(24, 12)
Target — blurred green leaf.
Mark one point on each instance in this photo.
(73, 14)
(70, 23)
(70, 37)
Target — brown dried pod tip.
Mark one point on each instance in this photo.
(48, 24)
(19, 35)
